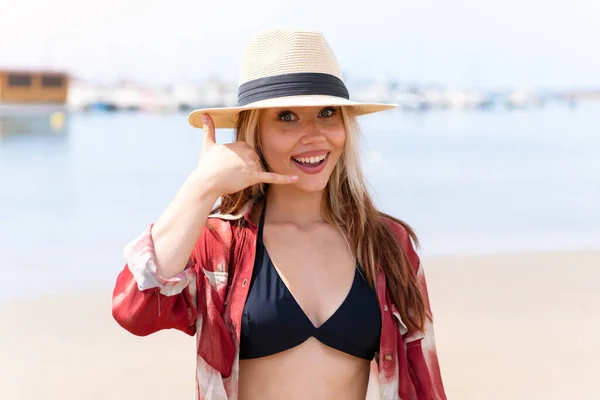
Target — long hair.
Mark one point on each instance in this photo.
(349, 207)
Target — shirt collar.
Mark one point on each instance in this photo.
(245, 212)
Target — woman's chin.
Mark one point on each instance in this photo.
(311, 184)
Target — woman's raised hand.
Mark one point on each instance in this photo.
(231, 167)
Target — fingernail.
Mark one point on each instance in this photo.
(205, 118)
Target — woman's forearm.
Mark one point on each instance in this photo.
(176, 231)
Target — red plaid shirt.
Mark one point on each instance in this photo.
(208, 297)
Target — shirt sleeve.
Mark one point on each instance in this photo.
(421, 352)
(143, 302)
(422, 355)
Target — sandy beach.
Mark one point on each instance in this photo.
(514, 326)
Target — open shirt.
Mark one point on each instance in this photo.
(207, 300)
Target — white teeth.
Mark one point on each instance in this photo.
(311, 160)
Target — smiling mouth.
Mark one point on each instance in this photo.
(310, 161)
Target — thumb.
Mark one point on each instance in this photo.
(271, 177)
(209, 129)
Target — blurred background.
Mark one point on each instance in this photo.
(493, 156)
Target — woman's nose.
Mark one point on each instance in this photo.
(313, 135)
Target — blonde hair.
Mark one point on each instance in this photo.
(349, 207)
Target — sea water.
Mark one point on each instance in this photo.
(466, 181)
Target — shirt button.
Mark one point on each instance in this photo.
(388, 357)
(244, 282)
(385, 308)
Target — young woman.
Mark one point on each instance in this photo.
(295, 285)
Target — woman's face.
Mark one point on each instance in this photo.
(303, 141)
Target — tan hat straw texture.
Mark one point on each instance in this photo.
(283, 53)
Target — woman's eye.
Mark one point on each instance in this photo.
(286, 116)
(328, 112)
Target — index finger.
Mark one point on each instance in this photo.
(271, 177)
(209, 129)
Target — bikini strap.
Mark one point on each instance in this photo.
(260, 248)
(261, 223)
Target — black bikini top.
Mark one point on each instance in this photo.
(272, 320)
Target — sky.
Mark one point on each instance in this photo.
(461, 43)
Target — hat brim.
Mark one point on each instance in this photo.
(226, 117)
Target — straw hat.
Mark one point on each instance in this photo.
(287, 68)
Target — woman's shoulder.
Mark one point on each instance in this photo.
(398, 227)
(224, 228)
(405, 235)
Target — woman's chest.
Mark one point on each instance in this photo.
(317, 268)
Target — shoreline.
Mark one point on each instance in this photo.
(104, 283)
(519, 325)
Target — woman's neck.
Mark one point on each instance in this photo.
(288, 204)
